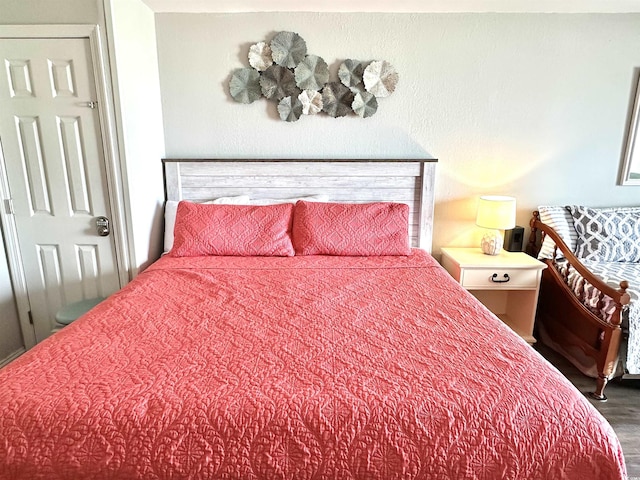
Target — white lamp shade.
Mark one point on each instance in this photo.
(497, 212)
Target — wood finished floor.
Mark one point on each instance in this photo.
(622, 409)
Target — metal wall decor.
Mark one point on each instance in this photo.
(282, 71)
(312, 73)
(278, 82)
(365, 104)
(244, 85)
(336, 99)
(288, 49)
(380, 78)
(260, 56)
(290, 109)
(311, 102)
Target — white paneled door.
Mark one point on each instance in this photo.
(54, 162)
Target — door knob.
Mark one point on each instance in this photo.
(102, 226)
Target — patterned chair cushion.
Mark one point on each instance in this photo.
(559, 218)
(612, 273)
(607, 235)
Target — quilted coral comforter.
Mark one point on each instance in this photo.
(295, 368)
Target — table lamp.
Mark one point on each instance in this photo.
(495, 213)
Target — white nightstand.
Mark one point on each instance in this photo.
(507, 284)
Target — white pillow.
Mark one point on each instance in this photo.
(237, 200)
(171, 207)
(275, 201)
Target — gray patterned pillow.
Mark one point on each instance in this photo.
(607, 235)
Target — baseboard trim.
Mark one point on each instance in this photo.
(12, 357)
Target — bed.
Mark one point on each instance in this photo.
(589, 305)
(300, 366)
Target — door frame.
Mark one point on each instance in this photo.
(117, 200)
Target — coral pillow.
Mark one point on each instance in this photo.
(362, 229)
(171, 207)
(244, 230)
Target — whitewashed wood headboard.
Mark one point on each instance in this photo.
(358, 181)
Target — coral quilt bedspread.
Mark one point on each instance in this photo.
(295, 368)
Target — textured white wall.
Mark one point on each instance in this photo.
(10, 334)
(139, 114)
(25, 12)
(530, 105)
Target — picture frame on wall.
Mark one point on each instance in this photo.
(630, 168)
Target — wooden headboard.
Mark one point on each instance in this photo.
(407, 181)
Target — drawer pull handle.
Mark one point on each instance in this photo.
(494, 278)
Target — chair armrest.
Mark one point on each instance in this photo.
(619, 296)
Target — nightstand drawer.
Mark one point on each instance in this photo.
(513, 301)
(499, 278)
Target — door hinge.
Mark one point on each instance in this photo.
(30, 317)
(8, 206)
(92, 104)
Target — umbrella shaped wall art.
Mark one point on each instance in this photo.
(282, 70)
